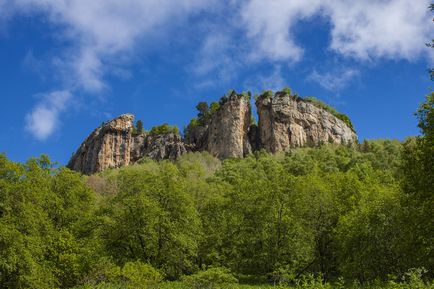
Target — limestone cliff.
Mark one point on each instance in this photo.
(158, 147)
(228, 131)
(112, 145)
(106, 147)
(288, 121)
(285, 122)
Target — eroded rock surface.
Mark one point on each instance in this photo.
(112, 145)
(108, 146)
(229, 128)
(158, 147)
(286, 122)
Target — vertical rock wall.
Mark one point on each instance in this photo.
(228, 131)
(287, 121)
(106, 147)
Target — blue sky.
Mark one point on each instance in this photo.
(68, 65)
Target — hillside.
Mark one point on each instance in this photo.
(329, 216)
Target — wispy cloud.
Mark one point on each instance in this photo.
(102, 30)
(269, 25)
(273, 80)
(99, 33)
(43, 120)
(335, 80)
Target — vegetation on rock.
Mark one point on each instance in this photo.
(164, 129)
(318, 103)
(138, 129)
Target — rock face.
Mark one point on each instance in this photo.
(106, 147)
(228, 131)
(287, 121)
(112, 145)
(158, 147)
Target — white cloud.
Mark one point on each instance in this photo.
(334, 80)
(216, 62)
(369, 29)
(43, 120)
(269, 25)
(100, 36)
(365, 30)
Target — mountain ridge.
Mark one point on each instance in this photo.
(285, 121)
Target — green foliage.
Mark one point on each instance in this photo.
(265, 94)
(418, 185)
(333, 111)
(164, 129)
(138, 129)
(300, 219)
(425, 116)
(134, 275)
(152, 219)
(43, 216)
(286, 90)
(212, 278)
(204, 116)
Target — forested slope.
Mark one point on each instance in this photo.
(334, 211)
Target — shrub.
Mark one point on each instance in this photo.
(213, 278)
(132, 275)
(164, 129)
(138, 129)
(137, 275)
(286, 90)
(266, 94)
(412, 279)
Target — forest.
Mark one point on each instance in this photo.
(325, 217)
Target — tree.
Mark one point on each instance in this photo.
(203, 109)
(139, 126)
(152, 219)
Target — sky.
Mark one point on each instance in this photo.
(66, 66)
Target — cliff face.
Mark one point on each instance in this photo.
(286, 122)
(158, 147)
(112, 145)
(106, 147)
(228, 131)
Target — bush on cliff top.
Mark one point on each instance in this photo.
(164, 129)
(318, 103)
(313, 100)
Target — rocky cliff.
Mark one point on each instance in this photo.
(285, 122)
(228, 131)
(106, 147)
(112, 145)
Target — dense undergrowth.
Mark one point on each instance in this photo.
(325, 216)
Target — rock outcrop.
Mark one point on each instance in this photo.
(106, 147)
(229, 128)
(158, 147)
(288, 121)
(285, 122)
(112, 145)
